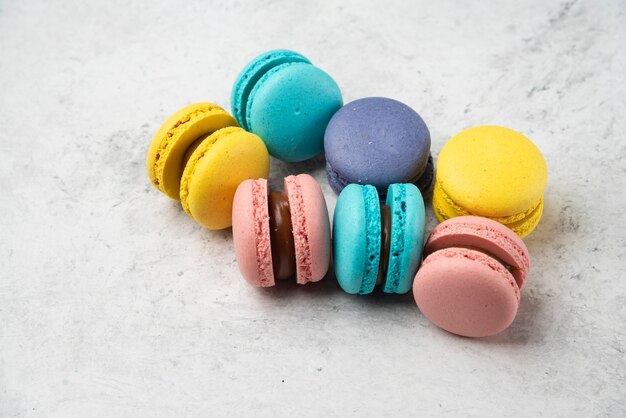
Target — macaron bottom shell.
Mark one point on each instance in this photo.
(522, 223)
(424, 181)
(311, 227)
(407, 236)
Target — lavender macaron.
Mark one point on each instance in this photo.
(378, 141)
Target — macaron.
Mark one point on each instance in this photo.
(287, 101)
(281, 235)
(469, 283)
(378, 244)
(378, 141)
(494, 172)
(199, 156)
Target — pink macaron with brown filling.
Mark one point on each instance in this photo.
(281, 235)
(469, 283)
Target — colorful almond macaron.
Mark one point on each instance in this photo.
(469, 283)
(287, 101)
(281, 235)
(493, 172)
(378, 244)
(199, 156)
(378, 141)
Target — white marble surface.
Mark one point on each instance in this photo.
(114, 303)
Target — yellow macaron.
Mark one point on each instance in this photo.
(215, 169)
(199, 156)
(494, 172)
(166, 156)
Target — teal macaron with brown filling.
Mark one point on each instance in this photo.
(375, 243)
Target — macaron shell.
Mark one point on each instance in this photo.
(215, 170)
(290, 107)
(165, 156)
(466, 292)
(356, 238)
(487, 235)
(407, 236)
(492, 171)
(311, 227)
(377, 141)
(335, 180)
(251, 233)
(252, 73)
(426, 181)
(521, 223)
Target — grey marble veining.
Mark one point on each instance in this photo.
(114, 303)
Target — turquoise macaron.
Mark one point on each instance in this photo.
(378, 244)
(287, 101)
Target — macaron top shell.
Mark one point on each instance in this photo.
(357, 238)
(165, 159)
(215, 170)
(290, 107)
(377, 141)
(492, 171)
(466, 292)
(288, 102)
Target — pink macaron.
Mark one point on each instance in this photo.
(469, 283)
(281, 235)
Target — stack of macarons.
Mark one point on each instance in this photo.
(487, 191)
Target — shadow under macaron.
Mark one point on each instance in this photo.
(330, 286)
(534, 320)
(280, 169)
(288, 287)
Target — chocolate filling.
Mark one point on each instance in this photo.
(385, 243)
(480, 250)
(281, 236)
(195, 144)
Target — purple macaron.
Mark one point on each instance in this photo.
(378, 141)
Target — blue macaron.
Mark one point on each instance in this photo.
(378, 141)
(287, 101)
(376, 243)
